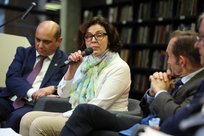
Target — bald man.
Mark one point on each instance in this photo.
(20, 93)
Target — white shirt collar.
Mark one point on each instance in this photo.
(189, 76)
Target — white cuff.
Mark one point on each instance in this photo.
(30, 93)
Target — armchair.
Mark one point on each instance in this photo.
(62, 104)
(133, 108)
(9, 43)
(52, 104)
(133, 115)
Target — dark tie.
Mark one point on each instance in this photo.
(177, 85)
(31, 77)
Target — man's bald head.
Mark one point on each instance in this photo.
(47, 37)
(51, 27)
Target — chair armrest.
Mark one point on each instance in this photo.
(134, 107)
(129, 119)
(52, 104)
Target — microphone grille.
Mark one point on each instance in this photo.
(34, 4)
(88, 51)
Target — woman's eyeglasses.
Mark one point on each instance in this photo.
(98, 36)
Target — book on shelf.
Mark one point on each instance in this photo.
(164, 9)
(186, 8)
(141, 58)
(126, 34)
(124, 54)
(126, 13)
(137, 58)
(159, 60)
(162, 34)
(144, 59)
(113, 14)
(167, 34)
(140, 83)
(142, 36)
(144, 11)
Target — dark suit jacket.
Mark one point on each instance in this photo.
(22, 65)
(171, 125)
(165, 104)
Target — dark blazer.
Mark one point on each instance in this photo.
(171, 125)
(22, 65)
(165, 104)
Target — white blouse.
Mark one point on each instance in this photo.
(112, 86)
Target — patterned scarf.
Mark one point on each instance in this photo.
(84, 89)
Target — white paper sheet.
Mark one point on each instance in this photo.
(8, 132)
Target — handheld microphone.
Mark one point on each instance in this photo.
(28, 10)
(86, 52)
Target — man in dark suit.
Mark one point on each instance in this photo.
(189, 120)
(87, 119)
(186, 122)
(20, 93)
(184, 63)
(173, 125)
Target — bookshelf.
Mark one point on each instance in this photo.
(145, 27)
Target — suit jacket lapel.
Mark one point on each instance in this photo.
(192, 83)
(54, 64)
(29, 63)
